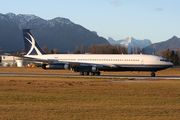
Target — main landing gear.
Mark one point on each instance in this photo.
(153, 74)
(92, 73)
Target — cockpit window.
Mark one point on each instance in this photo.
(163, 60)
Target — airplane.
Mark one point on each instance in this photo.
(87, 64)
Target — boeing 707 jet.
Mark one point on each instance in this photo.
(87, 64)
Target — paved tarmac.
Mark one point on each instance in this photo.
(133, 77)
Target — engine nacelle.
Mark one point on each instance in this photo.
(86, 69)
(56, 66)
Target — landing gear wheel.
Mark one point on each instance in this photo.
(97, 73)
(153, 74)
(92, 73)
(86, 73)
(81, 73)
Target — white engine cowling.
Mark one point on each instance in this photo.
(56, 66)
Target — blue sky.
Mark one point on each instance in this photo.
(157, 20)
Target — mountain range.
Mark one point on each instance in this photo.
(172, 43)
(58, 33)
(130, 42)
(65, 35)
(149, 48)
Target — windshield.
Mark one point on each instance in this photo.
(164, 60)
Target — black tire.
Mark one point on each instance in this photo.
(97, 73)
(86, 73)
(81, 73)
(92, 73)
(153, 74)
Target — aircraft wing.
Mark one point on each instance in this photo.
(75, 64)
(34, 59)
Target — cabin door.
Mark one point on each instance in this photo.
(142, 61)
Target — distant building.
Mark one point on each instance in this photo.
(10, 61)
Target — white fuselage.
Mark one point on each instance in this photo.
(121, 60)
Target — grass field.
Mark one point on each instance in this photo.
(87, 98)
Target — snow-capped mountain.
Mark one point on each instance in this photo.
(112, 41)
(130, 42)
(58, 33)
(25, 21)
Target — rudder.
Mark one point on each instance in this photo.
(31, 45)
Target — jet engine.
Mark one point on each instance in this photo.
(56, 66)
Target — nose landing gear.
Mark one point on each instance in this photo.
(153, 74)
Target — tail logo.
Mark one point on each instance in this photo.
(33, 46)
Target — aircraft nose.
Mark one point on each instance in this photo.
(171, 64)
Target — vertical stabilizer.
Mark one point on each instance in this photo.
(31, 45)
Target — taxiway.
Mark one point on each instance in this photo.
(137, 77)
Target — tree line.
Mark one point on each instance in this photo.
(170, 55)
(106, 49)
(52, 51)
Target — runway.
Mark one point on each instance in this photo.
(135, 77)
